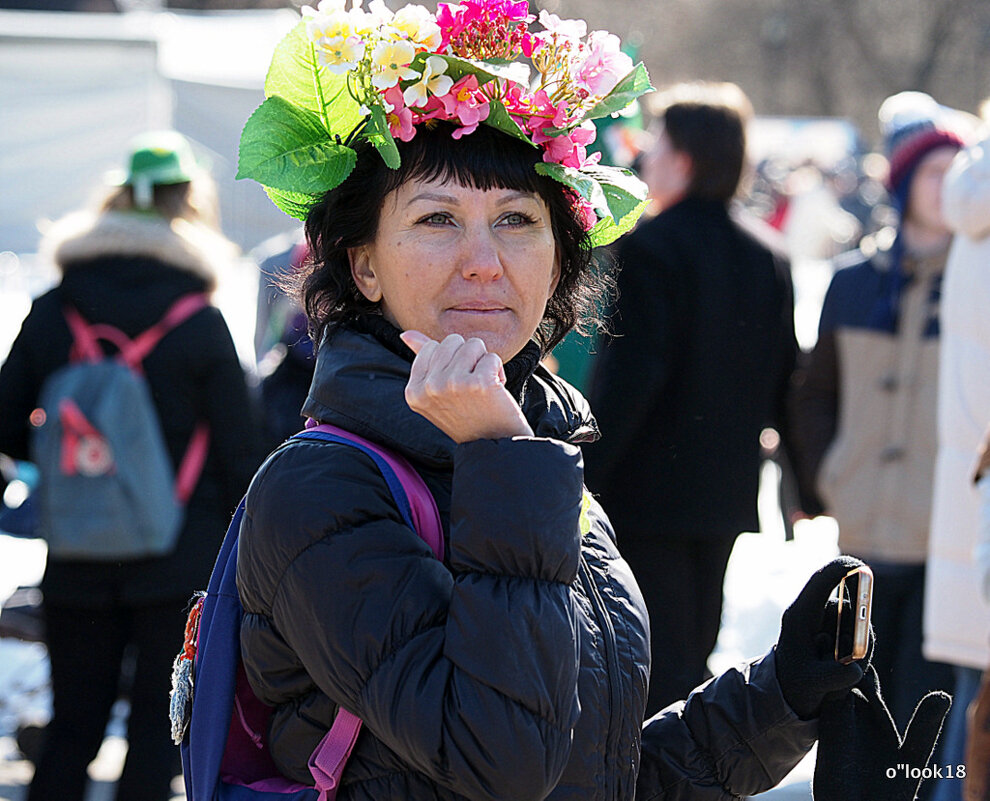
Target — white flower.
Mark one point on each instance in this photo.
(390, 64)
(418, 25)
(434, 82)
(568, 28)
(374, 20)
(342, 54)
(332, 31)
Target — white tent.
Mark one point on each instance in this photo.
(74, 88)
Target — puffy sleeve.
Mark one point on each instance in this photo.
(467, 671)
(734, 737)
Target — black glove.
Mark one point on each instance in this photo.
(806, 667)
(861, 755)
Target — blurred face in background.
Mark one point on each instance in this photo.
(924, 209)
(667, 172)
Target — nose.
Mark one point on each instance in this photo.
(480, 257)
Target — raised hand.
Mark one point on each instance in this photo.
(459, 386)
(805, 651)
(861, 755)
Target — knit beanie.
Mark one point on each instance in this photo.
(913, 125)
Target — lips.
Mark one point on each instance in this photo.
(479, 307)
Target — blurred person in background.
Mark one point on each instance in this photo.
(976, 786)
(864, 409)
(151, 241)
(957, 619)
(697, 365)
(286, 357)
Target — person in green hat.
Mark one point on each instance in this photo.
(150, 245)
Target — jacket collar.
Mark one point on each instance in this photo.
(359, 384)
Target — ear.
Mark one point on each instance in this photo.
(363, 273)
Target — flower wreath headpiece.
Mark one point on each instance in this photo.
(345, 74)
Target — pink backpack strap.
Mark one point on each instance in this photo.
(133, 352)
(329, 758)
(85, 340)
(180, 311)
(327, 762)
(191, 466)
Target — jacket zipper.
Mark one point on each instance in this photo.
(611, 669)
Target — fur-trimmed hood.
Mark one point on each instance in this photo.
(83, 236)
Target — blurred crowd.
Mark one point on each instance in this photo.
(878, 404)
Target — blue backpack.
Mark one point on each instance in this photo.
(107, 490)
(218, 721)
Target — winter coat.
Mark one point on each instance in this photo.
(516, 668)
(953, 633)
(698, 364)
(126, 270)
(864, 411)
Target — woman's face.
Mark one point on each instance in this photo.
(449, 259)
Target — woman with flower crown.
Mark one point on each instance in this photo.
(444, 266)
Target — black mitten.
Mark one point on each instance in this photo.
(805, 652)
(861, 755)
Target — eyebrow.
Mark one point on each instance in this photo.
(438, 197)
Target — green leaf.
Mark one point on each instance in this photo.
(623, 190)
(295, 204)
(498, 117)
(636, 83)
(582, 183)
(485, 71)
(296, 75)
(378, 133)
(607, 231)
(285, 147)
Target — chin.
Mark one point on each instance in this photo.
(506, 343)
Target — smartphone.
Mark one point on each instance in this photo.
(852, 625)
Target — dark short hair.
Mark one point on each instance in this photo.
(707, 121)
(348, 217)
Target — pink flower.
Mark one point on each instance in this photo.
(570, 150)
(465, 103)
(398, 115)
(529, 44)
(584, 211)
(604, 66)
(483, 28)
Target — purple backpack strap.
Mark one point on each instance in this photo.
(329, 758)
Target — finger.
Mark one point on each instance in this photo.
(869, 688)
(923, 730)
(489, 369)
(414, 339)
(422, 363)
(817, 591)
(836, 677)
(448, 348)
(467, 356)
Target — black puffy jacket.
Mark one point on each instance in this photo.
(516, 669)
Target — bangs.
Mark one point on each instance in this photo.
(484, 159)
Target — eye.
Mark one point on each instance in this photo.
(516, 218)
(437, 218)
